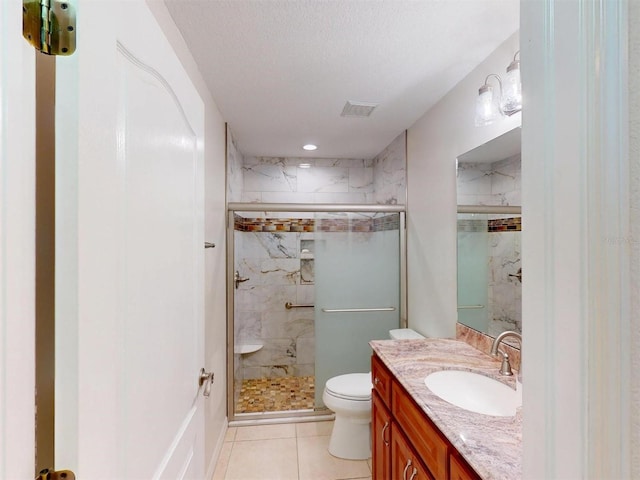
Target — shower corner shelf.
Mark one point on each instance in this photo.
(248, 348)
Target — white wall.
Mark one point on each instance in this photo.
(433, 143)
(634, 237)
(215, 274)
(17, 246)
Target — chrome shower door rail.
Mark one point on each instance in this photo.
(313, 207)
(358, 310)
(490, 209)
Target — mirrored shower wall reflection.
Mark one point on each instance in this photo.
(294, 270)
(490, 272)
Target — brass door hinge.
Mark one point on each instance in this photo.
(50, 26)
(47, 474)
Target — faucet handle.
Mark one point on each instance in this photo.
(505, 368)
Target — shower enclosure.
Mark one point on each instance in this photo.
(308, 287)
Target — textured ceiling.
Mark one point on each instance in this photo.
(281, 71)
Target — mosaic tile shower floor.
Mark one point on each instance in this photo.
(276, 394)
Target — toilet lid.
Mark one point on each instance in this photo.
(355, 386)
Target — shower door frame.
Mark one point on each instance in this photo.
(232, 208)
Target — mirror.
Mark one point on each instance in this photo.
(489, 236)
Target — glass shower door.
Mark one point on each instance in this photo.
(473, 275)
(357, 297)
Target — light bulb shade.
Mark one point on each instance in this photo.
(487, 106)
(512, 90)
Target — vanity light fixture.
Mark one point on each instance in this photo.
(488, 108)
(492, 105)
(512, 93)
(310, 147)
(304, 165)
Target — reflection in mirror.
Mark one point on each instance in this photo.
(489, 286)
(489, 226)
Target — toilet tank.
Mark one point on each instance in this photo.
(404, 334)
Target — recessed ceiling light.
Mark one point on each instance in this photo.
(310, 147)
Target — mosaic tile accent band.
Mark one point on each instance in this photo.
(243, 224)
(376, 224)
(513, 224)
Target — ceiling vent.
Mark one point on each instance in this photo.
(358, 109)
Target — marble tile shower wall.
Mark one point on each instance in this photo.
(505, 292)
(498, 183)
(271, 261)
(495, 183)
(390, 173)
(282, 180)
(381, 180)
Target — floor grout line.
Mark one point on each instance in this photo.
(296, 436)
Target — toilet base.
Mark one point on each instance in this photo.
(351, 438)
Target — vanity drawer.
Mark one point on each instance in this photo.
(425, 438)
(381, 379)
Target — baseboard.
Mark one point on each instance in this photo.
(216, 452)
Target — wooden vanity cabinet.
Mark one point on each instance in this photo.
(406, 444)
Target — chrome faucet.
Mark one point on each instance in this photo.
(505, 368)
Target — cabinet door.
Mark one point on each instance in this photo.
(459, 470)
(405, 464)
(381, 436)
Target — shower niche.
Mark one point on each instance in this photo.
(307, 265)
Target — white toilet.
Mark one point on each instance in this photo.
(349, 396)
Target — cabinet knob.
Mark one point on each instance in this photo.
(376, 381)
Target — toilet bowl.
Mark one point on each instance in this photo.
(349, 396)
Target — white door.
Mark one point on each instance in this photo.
(129, 252)
(17, 237)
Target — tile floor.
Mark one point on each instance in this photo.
(295, 451)
(276, 394)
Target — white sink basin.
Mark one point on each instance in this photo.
(474, 392)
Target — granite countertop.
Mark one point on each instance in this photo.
(491, 445)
